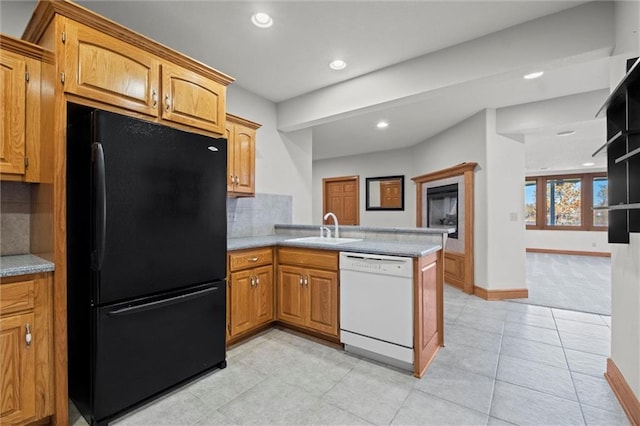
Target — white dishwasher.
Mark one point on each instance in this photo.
(376, 307)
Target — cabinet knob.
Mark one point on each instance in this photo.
(154, 98)
(253, 281)
(306, 282)
(257, 281)
(300, 280)
(27, 336)
(167, 103)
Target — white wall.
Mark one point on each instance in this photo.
(625, 258)
(283, 162)
(567, 240)
(625, 310)
(384, 163)
(505, 210)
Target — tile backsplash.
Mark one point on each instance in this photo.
(15, 209)
(246, 217)
(254, 217)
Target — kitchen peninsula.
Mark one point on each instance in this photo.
(305, 293)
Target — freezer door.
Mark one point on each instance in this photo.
(146, 348)
(159, 208)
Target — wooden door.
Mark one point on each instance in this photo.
(13, 106)
(18, 378)
(390, 194)
(191, 99)
(263, 294)
(241, 296)
(103, 68)
(341, 196)
(291, 295)
(244, 159)
(322, 289)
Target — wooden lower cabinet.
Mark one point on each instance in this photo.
(250, 291)
(26, 349)
(307, 297)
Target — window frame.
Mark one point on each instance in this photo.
(586, 202)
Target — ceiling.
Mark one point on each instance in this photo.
(291, 58)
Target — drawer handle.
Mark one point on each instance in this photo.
(167, 102)
(27, 336)
(254, 259)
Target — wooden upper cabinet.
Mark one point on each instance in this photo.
(13, 105)
(109, 64)
(24, 112)
(102, 68)
(241, 156)
(191, 99)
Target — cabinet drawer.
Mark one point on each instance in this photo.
(18, 296)
(250, 258)
(324, 259)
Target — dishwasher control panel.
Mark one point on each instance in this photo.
(377, 264)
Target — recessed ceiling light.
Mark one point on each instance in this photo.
(566, 133)
(588, 164)
(337, 64)
(533, 75)
(382, 125)
(261, 20)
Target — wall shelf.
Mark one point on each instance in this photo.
(607, 143)
(622, 108)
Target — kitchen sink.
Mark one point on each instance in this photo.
(324, 240)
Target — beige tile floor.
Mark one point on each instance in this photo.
(504, 363)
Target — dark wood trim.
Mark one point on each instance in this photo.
(467, 171)
(570, 252)
(513, 293)
(624, 393)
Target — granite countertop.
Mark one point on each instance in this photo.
(23, 264)
(372, 246)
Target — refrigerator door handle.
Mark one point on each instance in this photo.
(131, 310)
(97, 156)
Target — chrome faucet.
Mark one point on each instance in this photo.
(335, 223)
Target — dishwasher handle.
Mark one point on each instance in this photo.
(369, 258)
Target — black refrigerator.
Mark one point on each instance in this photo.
(146, 259)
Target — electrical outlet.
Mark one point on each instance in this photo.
(231, 216)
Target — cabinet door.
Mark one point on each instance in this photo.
(291, 295)
(263, 293)
(13, 105)
(105, 69)
(241, 302)
(244, 159)
(322, 302)
(17, 381)
(191, 99)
